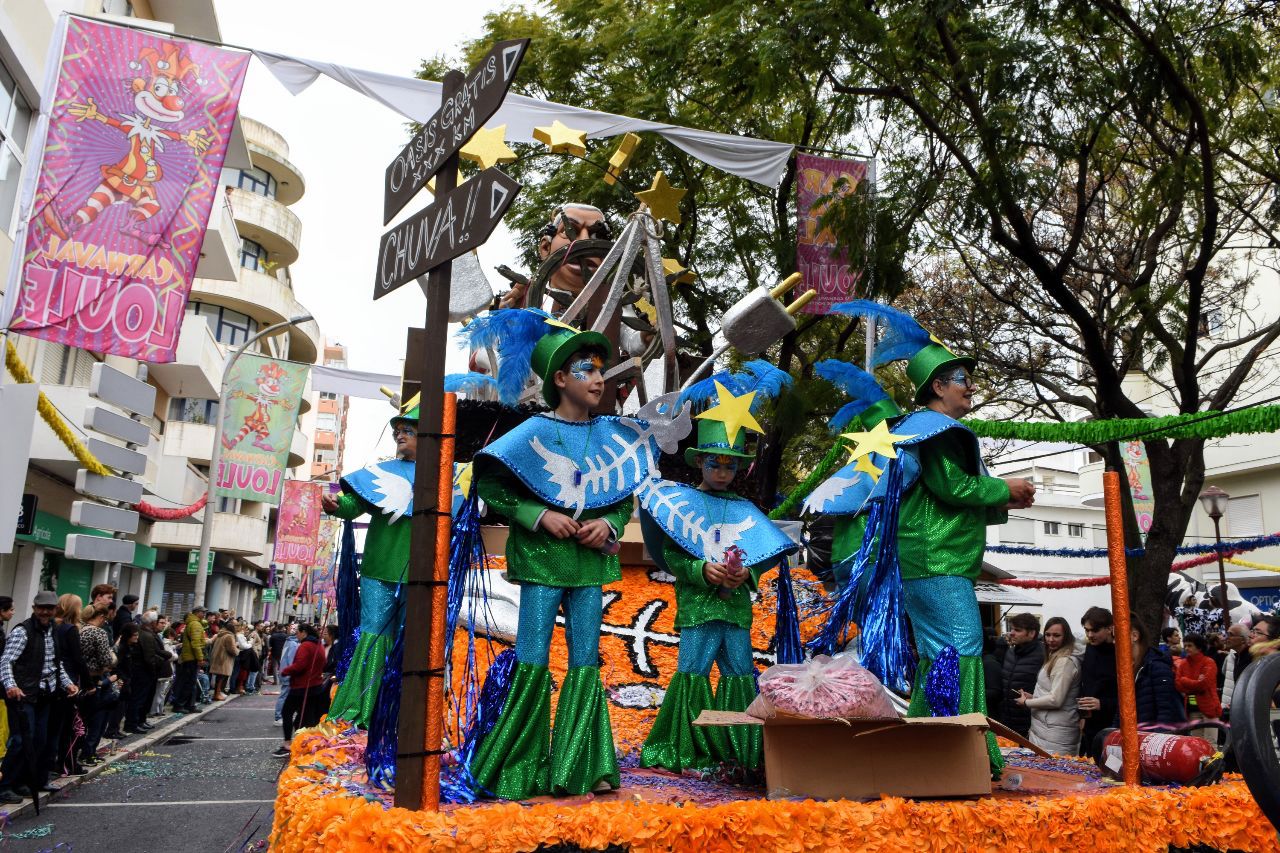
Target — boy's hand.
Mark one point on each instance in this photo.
(733, 580)
(329, 503)
(715, 574)
(558, 524)
(594, 533)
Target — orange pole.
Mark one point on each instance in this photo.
(1123, 619)
(439, 600)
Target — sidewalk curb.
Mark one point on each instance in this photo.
(70, 783)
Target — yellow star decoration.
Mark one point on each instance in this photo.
(488, 147)
(560, 324)
(878, 440)
(561, 139)
(463, 478)
(733, 412)
(646, 309)
(621, 158)
(663, 199)
(672, 267)
(865, 465)
(415, 400)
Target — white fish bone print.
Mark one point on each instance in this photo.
(673, 508)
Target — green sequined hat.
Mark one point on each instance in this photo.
(713, 440)
(553, 350)
(929, 362)
(408, 417)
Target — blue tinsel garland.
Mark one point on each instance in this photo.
(788, 645)
(348, 598)
(1236, 545)
(942, 684)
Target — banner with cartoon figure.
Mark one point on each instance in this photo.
(256, 429)
(298, 526)
(323, 577)
(138, 130)
(824, 267)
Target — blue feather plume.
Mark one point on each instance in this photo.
(758, 375)
(513, 333)
(471, 383)
(854, 381)
(903, 336)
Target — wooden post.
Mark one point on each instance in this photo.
(423, 542)
(1124, 645)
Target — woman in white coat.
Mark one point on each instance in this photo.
(1055, 720)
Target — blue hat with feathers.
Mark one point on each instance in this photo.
(906, 340)
(870, 404)
(529, 342)
(757, 377)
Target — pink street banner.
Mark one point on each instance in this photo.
(298, 527)
(256, 429)
(137, 135)
(1137, 468)
(824, 267)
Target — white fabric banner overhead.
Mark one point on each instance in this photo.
(759, 160)
(352, 383)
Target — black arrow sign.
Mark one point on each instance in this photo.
(458, 118)
(459, 221)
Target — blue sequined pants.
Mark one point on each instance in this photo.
(722, 643)
(381, 607)
(583, 606)
(944, 612)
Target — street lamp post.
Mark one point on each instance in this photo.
(215, 458)
(1215, 502)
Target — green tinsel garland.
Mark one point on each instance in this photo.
(808, 484)
(1203, 425)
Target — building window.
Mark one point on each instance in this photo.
(252, 255)
(327, 422)
(192, 411)
(1076, 530)
(1018, 531)
(64, 365)
(1051, 528)
(328, 395)
(122, 8)
(1244, 516)
(15, 122)
(228, 327)
(255, 180)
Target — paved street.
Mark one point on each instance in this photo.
(207, 787)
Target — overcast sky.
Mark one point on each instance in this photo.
(342, 143)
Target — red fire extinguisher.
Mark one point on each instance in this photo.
(1164, 758)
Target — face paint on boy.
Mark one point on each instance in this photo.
(720, 463)
(580, 369)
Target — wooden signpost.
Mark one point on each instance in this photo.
(460, 219)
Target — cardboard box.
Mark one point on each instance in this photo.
(865, 758)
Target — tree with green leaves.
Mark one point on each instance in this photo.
(1092, 186)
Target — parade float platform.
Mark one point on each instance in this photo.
(324, 804)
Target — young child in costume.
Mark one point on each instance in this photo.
(936, 493)
(383, 490)
(565, 480)
(689, 532)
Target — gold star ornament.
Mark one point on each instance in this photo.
(488, 147)
(662, 199)
(462, 478)
(676, 272)
(561, 139)
(733, 412)
(621, 158)
(866, 466)
(877, 440)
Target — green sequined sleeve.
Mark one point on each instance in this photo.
(685, 567)
(619, 514)
(501, 493)
(944, 473)
(349, 507)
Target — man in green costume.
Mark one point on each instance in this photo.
(384, 491)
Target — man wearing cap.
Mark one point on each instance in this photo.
(383, 490)
(564, 480)
(126, 614)
(33, 678)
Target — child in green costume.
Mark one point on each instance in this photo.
(716, 545)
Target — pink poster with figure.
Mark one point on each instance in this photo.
(298, 527)
(138, 131)
(824, 267)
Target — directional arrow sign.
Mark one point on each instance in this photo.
(458, 222)
(453, 124)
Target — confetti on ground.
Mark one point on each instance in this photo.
(42, 831)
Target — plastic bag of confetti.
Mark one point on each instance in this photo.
(821, 687)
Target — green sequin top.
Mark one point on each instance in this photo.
(943, 520)
(534, 556)
(697, 602)
(386, 546)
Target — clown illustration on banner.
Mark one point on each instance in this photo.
(138, 131)
(257, 427)
(824, 267)
(298, 527)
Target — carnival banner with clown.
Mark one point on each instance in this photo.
(256, 429)
(298, 528)
(825, 268)
(137, 132)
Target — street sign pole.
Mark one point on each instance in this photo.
(424, 549)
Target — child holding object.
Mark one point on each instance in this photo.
(716, 544)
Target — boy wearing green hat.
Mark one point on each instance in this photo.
(716, 545)
(384, 491)
(567, 505)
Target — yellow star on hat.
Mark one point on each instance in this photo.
(562, 139)
(877, 440)
(663, 199)
(462, 479)
(488, 147)
(734, 412)
(866, 466)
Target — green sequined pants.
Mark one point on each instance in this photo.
(381, 618)
(674, 742)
